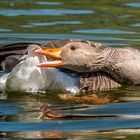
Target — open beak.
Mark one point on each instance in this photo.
(52, 53)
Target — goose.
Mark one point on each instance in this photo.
(20, 73)
(18, 62)
(121, 64)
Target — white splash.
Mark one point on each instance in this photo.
(27, 77)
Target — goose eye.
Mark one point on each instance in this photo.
(72, 47)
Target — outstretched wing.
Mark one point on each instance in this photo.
(11, 54)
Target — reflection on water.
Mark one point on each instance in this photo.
(53, 23)
(49, 3)
(81, 135)
(134, 4)
(104, 31)
(114, 23)
(136, 25)
(5, 30)
(20, 113)
(45, 12)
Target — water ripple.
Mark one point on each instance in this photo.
(104, 124)
(136, 25)
(37, 12)
(52, 23)
(134, 4)
(5, 30)
(8, 108)
(104, 31)
(48, 3)
(58, 36)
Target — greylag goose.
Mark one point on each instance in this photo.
(19, 61)
(121, 64)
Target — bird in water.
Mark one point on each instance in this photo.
(122, 65)
(18, 63)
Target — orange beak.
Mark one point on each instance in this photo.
(53, 53)
(55, 63)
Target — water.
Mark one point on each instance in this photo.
(114, 23)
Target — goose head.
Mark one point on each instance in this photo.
(79, 56)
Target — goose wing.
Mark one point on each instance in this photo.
(11, 54)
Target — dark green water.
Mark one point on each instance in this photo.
(111, 22)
